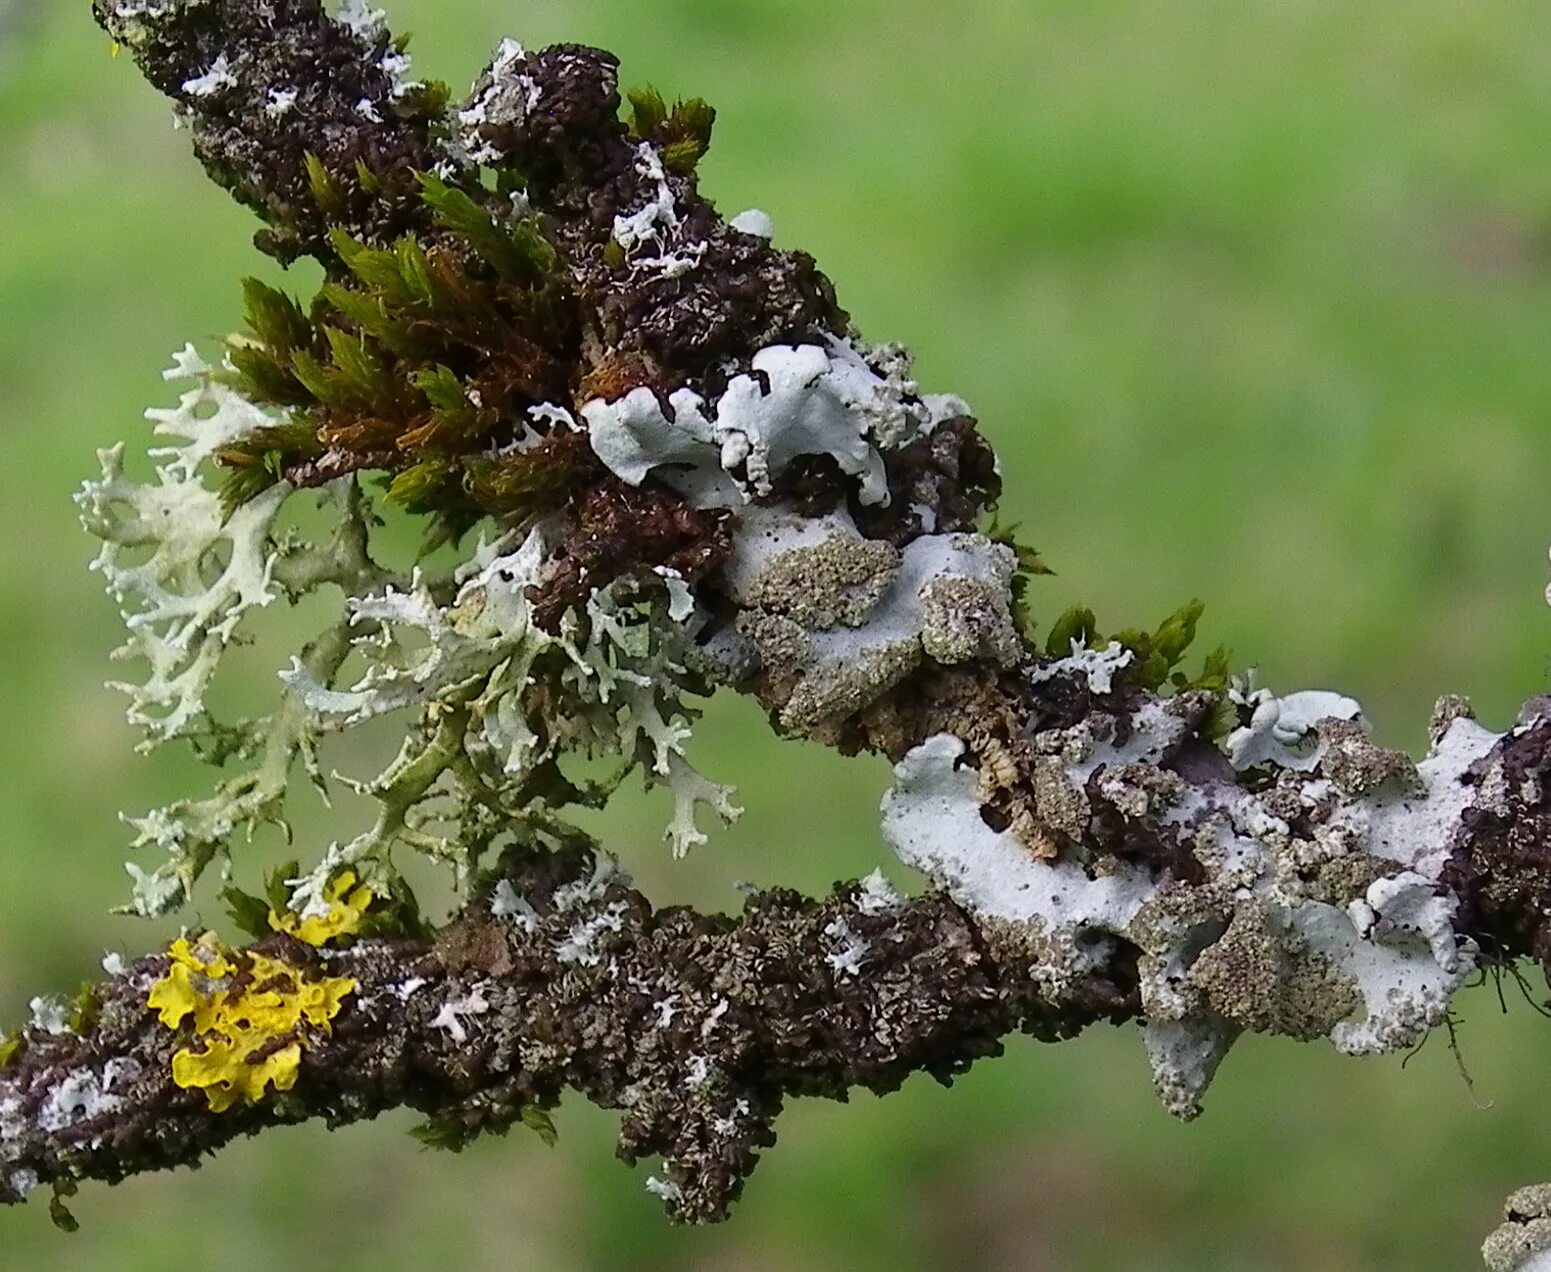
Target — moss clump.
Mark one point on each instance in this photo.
(683, 133)
(422, 360)
(1159, 655)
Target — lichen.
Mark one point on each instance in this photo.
(836, 620)
(250, 1017)
(797, 400)
(1342, 929)
(1523, 1241)
(347, 903)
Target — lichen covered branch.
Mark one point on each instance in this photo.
(689, 474)
(558, 976)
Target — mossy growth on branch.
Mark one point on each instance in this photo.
(443, 361)
(683, 132)
(1157, 662)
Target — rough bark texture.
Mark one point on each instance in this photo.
(698, 1027)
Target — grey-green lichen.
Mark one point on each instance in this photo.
(1522, 1243)
(835, 620)
(460, 655)
(1315, 907)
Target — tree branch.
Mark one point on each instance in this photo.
(1112, 837)
(696, 1026)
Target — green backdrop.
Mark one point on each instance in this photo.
(1253, 300)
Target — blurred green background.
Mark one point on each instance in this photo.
(1253, 299)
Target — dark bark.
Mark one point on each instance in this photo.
(696, 1026)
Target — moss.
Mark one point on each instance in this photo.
(420, 359)
(683, 133)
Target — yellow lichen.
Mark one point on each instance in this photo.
(348, 903)
(252, 1015)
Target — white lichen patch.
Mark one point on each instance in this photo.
(847, 951)
(456, 1013)
(213, 81)
(580, 947)
(877, 895)
(50, 1014)
(1097, 668)
(932, 820)
(663, 1189)
(754, 221)
(657, 220)
(834, 400)
(282, 101)
(836, 620)
(505, 903)
(1344, 932)
(83, 1094)
(1283, 731)
(504, 97)
(362, 18)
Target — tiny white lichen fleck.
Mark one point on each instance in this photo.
(219, 76)
(50, 1014)
(362, 18)
(282, 101)
(663, 1189)
(455, 1013)
(877, 895)
(580, 946)
(506, 904)
(848, 950)
(1096, 666)
(754, 221)
(82, 1094)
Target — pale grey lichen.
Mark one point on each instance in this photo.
(1523, 1241)
(218, 77)
(1096, 667)
(49, 1014)
(458, 656)
(84, 1093)
(836, 620)
(1345, 931)
(754, 221)
(835, 400)
(848, 950)
(1283, 731)
(456, 1013)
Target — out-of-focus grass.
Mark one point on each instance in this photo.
(1252, 300)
